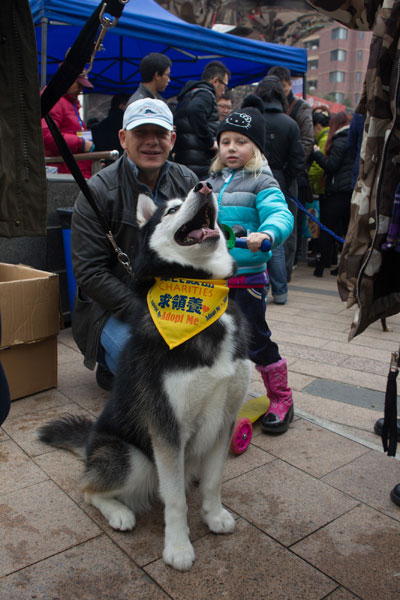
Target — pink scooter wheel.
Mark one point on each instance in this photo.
(241, 436)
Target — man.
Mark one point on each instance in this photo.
(197, 118)
(106, 133)
(224, 105)
(155, 70)
(65, 114)
(103, 304)
(301, 112)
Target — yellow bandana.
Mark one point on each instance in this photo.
(180, 308)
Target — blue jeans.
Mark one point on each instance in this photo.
(113, 338)
(277, 274)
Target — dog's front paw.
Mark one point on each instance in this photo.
(222, 522)
(179, 556)
(122, 519)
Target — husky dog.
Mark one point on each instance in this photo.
(171, 413)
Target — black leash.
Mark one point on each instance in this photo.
(81, 181)
(80, 53)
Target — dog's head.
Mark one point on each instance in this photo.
(182, 237)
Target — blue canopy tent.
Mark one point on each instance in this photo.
(146, 27)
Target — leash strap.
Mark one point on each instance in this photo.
(81, 52)
(299, 204)
(389, 429)
(72, 165)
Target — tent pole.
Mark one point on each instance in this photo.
(43, 68)
(305, 86)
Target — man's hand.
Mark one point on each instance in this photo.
(255, 239)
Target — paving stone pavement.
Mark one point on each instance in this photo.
(313, 515)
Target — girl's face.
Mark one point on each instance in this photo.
(235, 149)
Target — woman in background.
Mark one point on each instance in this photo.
(337, 164)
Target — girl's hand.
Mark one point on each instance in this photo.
(255, 239)
(317, 148)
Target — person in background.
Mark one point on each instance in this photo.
(106, 133)
(197, 117)
(354, 143)
(248, 195)
(65, 114)
(285, 155)
(321, 119)
(155, 70)
(103, 304)
(316, 175)
(337, 164)
(224, 105)
(299, 110)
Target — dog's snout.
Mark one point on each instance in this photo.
(203, 187)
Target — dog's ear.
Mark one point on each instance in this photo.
(145, 209)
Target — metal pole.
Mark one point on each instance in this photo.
(305, 86)
(43, 67)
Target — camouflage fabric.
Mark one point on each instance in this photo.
(369, 276)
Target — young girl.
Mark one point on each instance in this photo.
(248, 195)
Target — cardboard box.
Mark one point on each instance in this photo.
(30, 368)
(30, 320)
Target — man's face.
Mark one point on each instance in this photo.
(148, 146)
(162, 80)
(75, 89)
(224, 107)
(287, 86)
(220, 84)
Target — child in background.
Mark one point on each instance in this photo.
(248, 195)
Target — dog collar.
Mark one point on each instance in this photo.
(181, 308)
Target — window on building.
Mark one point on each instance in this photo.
(339, 33)
(338, 55)
(313, 64)
(338, 96)
(359, 55)
(358, 77)
(356, 97)
(312, 84)
(336, 76)
(360, 35)
(312, 44)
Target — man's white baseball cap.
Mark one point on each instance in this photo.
(148, 111)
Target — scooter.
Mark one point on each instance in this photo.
(254, 408)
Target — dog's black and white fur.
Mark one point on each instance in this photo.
(171, 412)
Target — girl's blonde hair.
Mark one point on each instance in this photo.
(254, 165)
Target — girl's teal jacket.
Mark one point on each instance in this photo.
(257, 203)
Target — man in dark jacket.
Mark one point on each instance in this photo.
(197, 118)
(155, 69)
(106, 133)
(285, 154)
(103, 305)
(301, 112)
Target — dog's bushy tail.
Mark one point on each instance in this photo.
(69, 433)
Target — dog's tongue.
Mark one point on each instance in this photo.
(202, 234)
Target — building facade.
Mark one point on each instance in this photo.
(337, 62)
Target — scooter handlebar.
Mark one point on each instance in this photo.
(241, 242)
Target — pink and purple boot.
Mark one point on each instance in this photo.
(280, 412)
